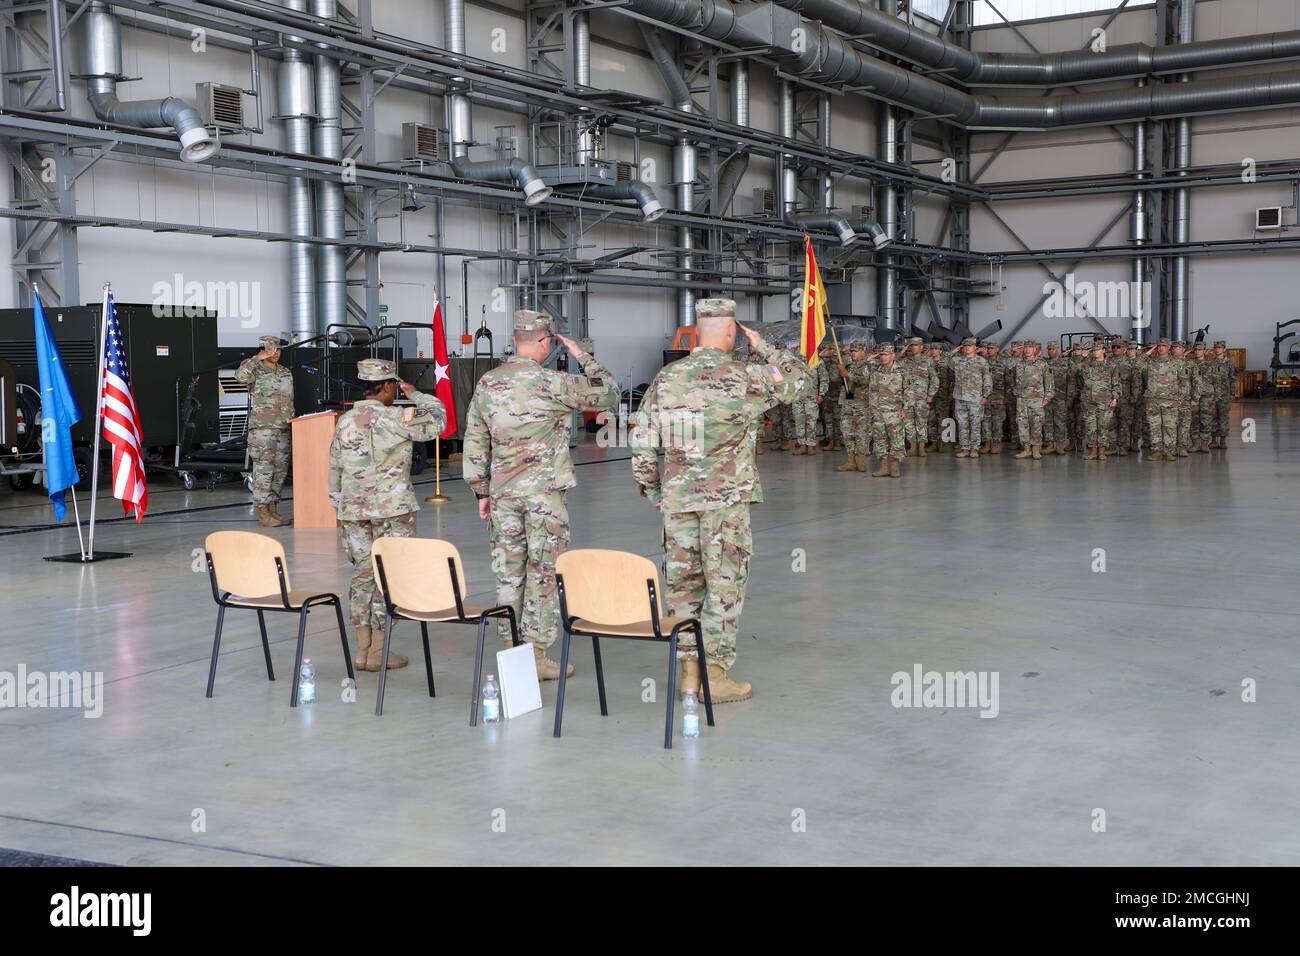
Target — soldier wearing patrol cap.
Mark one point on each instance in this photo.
(856, 421)
(270, 406)
(1201, 372)
(709, 480)
(972, 383)
(1225, 389)
(516, 461)
(1166, 382)
(920, 384)
(370, 488)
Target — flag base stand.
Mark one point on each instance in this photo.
(438, 499)
(77, 558)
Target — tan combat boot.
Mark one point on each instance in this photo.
(995, 448)
(724, 690)
(275, 512)
(364, 636)
(850, 465)
(1027, 453)
(688, 677)
(921, 450)
(1182, 452)
(1036, 451)
(1201, 447)
(1092, 454)
(883, 470)
(864, 463)
(895, 468)
(962, 453)
(1154, 454)
(1101, 453)
(787, 445)
(983, 449)
(974, 454)
(375, 656)
(548, 669)
(266, 517)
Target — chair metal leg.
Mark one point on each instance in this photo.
(564, 671)
(266, 645)
(514, 627)
(216, 646)
(297, 661)
(600, 676)
(383, 667)
(704, 676)
(672, 691)
(428, 661)
(476, 690)
(343, 636)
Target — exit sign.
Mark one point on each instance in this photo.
(383, 310)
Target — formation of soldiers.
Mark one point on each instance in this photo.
(1104, 398)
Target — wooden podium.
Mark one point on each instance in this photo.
(312, 435)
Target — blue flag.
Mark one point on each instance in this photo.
(58, 414)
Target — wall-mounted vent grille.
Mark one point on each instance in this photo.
(764, 202)
(1270, 217)
(624, 172)
(421, 142)
(24, 353)
(220, 105)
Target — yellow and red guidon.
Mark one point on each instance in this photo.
(812, 329)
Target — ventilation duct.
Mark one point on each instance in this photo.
(735, 166)
(332, 264)
(789, 181)
(651, 208)
(808, 49)
(514, 170)
(101, 38)
(887, 32)
(1183, 196)
(298, 109)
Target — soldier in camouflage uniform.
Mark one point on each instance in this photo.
(920, 385)
(783, 418)
(1186, 399)
(995, 412)
(1078, 359)
(1166, 383)
(1013, 363)
(1056, 429)
(270, 406)
(760, 439)
(1033, 390)
(370, 488)
(972, 384)
(1118, 440)
(1099, 388)
(518, 466)
(885, 399)
(941, 407)
(856, 422)
(1201, 371)
(707, 484)
(1132, 402)
(807, 407)
(830, 406)
(1225, 390)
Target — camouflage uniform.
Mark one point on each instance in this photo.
(920, 384)
(805, 408)
(708, 484)
(1099, 386)
(1225, 389)
(1033, 390)
(1166, 384)
(885, 400)
(517, 455)
(1121, 431)
(370, 480)
(830, 406)
(782, 416)
(856, 412)
(941, 408)
(1056, 429)
(270, 406)
(1013, 363)
(1203, 388)
(972, 383)
(995, 412)
(1186, 401)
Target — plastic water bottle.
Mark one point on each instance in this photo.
(690, 715)
(491, 701)
(307, 682)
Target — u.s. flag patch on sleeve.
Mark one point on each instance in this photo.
(409, 413)
(776, 373)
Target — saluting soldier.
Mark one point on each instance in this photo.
(972, 384)
(830, 405)
(885, 400)
(1225, 390)
(270, 406)
(370, 488)
(856, 423)
(518, 466)
(709, 480)
(1034, 383)
(1099, 386)
(920, 384)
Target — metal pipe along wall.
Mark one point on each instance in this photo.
(297, 108)
(332, 266)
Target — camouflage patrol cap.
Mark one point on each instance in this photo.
(1199, 347)
(1180, 345)
(1220, 344)
(1162, 342)
(1054, 345)
(706, 308)
(915, 340)
(970, 340)
(858, 346)
(1034, 345)
(271, 342)
(376, 370)
(526, 320)
(885, 348)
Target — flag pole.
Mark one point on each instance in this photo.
(437, 497)
(99, 411)
(76, 513)
(836, 339)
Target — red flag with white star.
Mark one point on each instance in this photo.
(442, 373)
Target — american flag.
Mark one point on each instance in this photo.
(122, 423)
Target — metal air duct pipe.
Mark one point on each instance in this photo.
(331, 263)
(582, 76)
(788, 183)
(1139, 233)
(1178, 306)
(298, 109)
(493, 170)
(101, 44)
(887, 210)
(734, 167)
(633, 189)
(887, 32)
(805, 48)
(684, 166)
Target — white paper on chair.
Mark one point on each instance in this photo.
(521, 692)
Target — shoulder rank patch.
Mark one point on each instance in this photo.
(776, 373)
(409, 413)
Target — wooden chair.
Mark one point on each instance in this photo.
(247, 570)
(423, 579)
(615, 594)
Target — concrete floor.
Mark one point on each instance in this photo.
(1119, 691)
